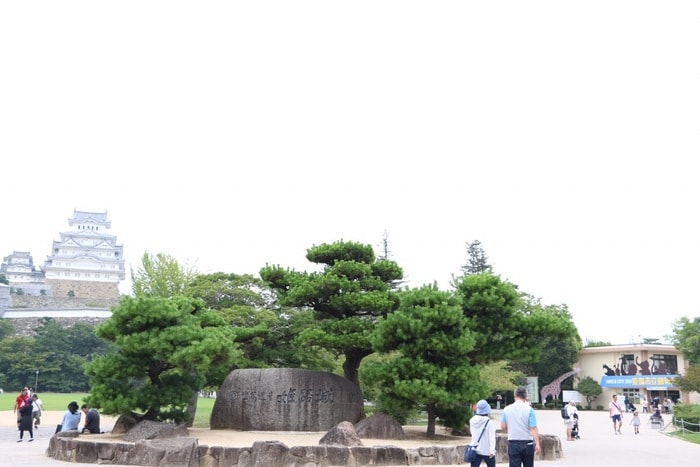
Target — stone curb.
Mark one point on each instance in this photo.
(185, 451)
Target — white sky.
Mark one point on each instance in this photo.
(562, 135)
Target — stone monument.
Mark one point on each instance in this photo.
(285, 399)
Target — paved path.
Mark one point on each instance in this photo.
(26, 454)
(598, 445)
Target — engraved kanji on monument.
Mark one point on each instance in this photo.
(285, 399)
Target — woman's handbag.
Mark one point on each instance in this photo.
(470, 451)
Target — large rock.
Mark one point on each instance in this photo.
(550, 448)
(285, 399)
(343, 434)
(123, 424)
(148, 429)
(380, 426)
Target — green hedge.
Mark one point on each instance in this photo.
(689, 413)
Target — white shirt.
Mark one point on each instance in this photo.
(36, 405)
(615, 408)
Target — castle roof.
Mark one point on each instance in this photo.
(83, 217)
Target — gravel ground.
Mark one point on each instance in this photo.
(598, 444)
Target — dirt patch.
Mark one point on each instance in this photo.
(415, 435)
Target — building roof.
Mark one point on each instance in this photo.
(81, 217)
(87, 215)
(629, 348)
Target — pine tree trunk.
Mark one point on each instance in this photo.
(430, 408)
(192, 409)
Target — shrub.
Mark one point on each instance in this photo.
(689, 413)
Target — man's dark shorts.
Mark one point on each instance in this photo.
(617, 418)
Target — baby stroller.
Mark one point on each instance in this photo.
(574, 428)
(656, 420)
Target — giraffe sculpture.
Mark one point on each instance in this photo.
(554, 388)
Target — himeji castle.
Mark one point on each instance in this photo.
(87, 259)
(79, 279)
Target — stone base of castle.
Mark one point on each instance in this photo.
(84, 289)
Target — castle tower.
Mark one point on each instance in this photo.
(86, 261)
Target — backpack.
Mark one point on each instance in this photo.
(564, 413)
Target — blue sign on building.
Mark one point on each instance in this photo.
(638, 381)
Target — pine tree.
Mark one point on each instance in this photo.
(477, 261)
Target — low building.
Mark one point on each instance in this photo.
(635, 371)
(20, 271)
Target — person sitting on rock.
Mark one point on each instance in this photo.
(71, 418)
(92, 420)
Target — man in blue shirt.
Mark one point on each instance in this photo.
(518, 419)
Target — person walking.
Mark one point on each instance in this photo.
(483, 429)
(571, 410)
(20, 401)
(25, 423)
(519, 421)
(668, 405)
(616, 415)
(37, 406)
(635, 422)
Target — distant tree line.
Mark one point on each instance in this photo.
(58, 354)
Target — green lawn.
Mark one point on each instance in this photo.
(204, 408)
(687, 436)
(50, 400)
(60, 401)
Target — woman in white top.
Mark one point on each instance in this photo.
(481, 423)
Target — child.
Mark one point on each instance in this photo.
(36, 410)
(635, 422)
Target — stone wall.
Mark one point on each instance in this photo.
(186, 452)
(5, 299)
(25, 326)
(62, 302)
(84, 289)
(31, 289)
